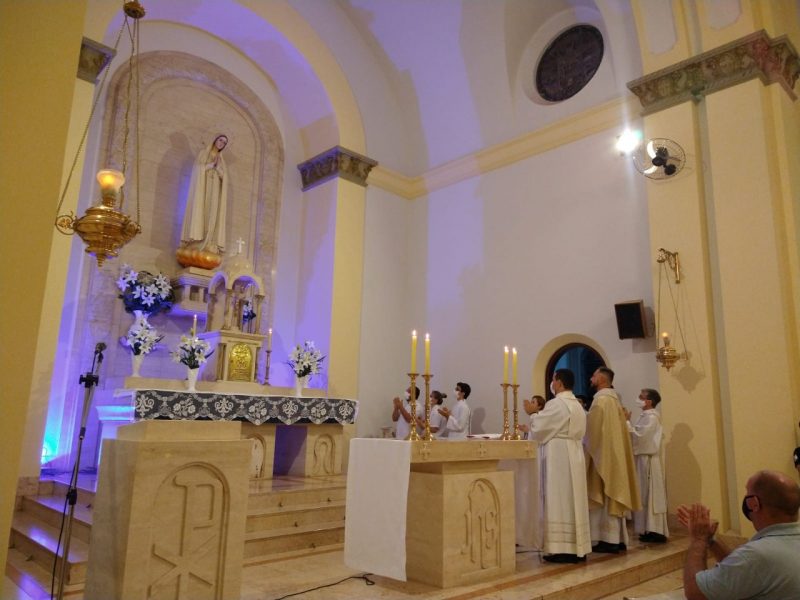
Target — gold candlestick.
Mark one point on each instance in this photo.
(516, 435)
(413, 436)
(266, 369)
(427, 435)
(506, 433)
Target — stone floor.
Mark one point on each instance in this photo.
(635, 574)
(533, 580)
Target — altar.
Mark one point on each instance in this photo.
(306, 436)
(440, 512)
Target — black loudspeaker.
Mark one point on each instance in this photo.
(630, 319)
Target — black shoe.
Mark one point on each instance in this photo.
(622, 547)
(606, 548)
(563, 558)
(651, 537)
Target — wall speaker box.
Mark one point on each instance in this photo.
(630, 319)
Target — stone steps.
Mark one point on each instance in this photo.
(306, 537)
(263, 496)
(37, 540)
(286, 516)
(47, 509)
(294, 516)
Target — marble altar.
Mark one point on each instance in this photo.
(438, 512)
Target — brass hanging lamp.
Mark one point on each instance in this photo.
(105, 228)
(666, 354)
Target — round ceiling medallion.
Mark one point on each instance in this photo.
(569, 63)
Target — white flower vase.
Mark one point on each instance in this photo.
(191, 379)
(299, 385)
(139, 317)
(136, 363)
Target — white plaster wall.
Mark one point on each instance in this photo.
(509, 257)
(387, 306)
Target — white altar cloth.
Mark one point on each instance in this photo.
(377, 496)
(527, 503)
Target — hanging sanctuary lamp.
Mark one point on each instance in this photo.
(105, 228)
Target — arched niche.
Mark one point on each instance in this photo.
(185, 100)
(543, 358)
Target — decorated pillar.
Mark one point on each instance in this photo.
(340, 178)
(724, 88)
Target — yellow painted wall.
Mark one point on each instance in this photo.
(690, 407)
(732, 214)
(36, 97)
(760, 331)
(348, 270)
(56, 282)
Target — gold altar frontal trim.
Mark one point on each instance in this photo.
(439, 451)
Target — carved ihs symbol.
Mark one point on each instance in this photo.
(482, 531)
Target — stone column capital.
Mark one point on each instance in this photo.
(754, 55)
(336, 162)
(93, 58)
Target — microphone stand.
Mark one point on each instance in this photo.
(89, 380)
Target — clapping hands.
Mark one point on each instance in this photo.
(697, 519)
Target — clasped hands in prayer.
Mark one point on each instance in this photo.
(530, 407)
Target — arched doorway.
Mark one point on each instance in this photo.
(579, 358)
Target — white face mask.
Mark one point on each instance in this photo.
(552, 389)
(408, 396)
(640, 403)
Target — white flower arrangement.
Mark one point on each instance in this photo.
(143, 291)
(142, 338)
(192, 351)
(305, 360)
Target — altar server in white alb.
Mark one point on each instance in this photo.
(647, 437)
(457, 424)
(401, 413)
(564, 508)
(437, 420)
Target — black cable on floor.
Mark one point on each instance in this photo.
(58, 547)
(364, 576)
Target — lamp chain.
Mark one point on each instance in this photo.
(658, 315)
(136, 123)
(126, 121)
(675, 308)
(88, 123)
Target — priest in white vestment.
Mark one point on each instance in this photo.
(647, 436)
(610, 470)
(559, 428)
(458, 419)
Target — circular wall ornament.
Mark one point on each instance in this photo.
(569, 63)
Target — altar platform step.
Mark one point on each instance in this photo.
(287, 516)
(294, 514)
(286, 490)
(37, 542)
(641, 571)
